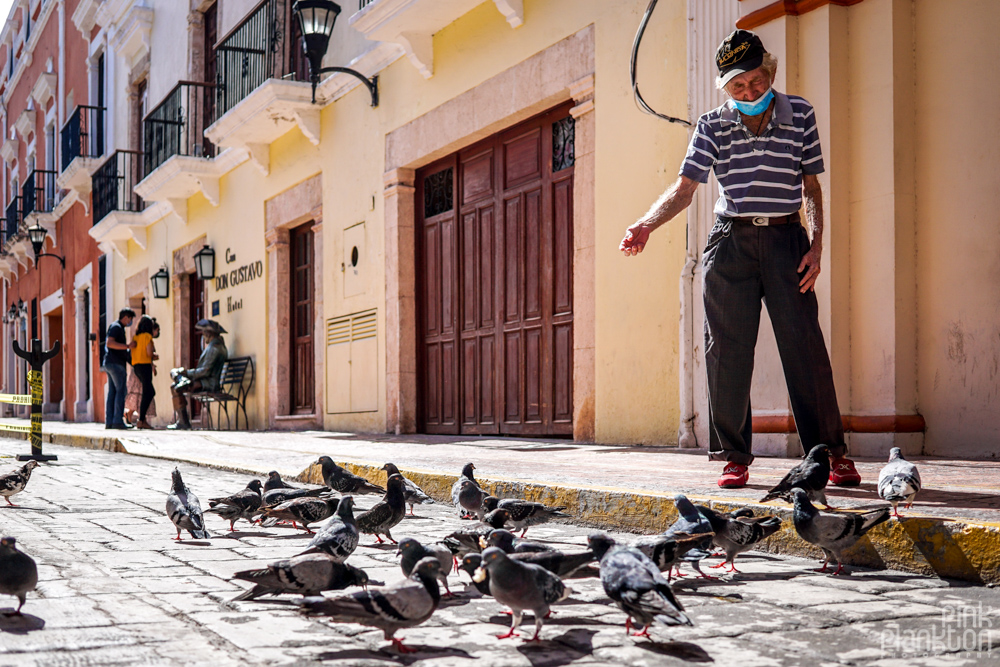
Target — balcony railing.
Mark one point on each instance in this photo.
(83, 134)
(177, 125)
(12, 221)
(114, 182)
(266, 45)
(38, 193)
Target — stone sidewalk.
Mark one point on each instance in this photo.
(953, 529)
(116, 589)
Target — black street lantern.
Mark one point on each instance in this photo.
(204, 263)
(316, 19)
(37, 235)
(22, 308)
(161, 284)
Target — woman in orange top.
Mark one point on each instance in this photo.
(143, 355)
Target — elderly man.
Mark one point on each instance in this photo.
(203, 378)
(764, 148)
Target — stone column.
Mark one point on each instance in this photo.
(400, 303)
(277, 344)
(81, 409)
(584, 384)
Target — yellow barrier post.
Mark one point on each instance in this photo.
(36, 358)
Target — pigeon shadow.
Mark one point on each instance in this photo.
(423, 652)
(568, 647)
(194, 542)
(238, 534)
(685, 651)
(287, 536)
(19, 624)
(385, 546)
(457, 600)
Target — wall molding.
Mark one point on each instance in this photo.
(776, 10)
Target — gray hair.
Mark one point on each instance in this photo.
(769, 65)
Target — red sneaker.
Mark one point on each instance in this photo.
(734, 476)
(843, 473)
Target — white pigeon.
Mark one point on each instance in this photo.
(898, 481)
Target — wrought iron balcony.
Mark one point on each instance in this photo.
(267, 44)
(83, 134)
(114, 182)
(177, 125)
(38, 194)
(12, 221)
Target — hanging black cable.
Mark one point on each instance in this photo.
(633, 67)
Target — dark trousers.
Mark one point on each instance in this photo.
(145, 374)
(744, 264)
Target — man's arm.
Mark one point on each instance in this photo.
(677, 198)
(114, 344)
(812, 193)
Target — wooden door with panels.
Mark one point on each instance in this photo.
(495, 284)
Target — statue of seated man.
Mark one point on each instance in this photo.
(203, 378)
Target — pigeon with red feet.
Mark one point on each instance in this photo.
(898, 481)
(308, 574)
(344, 481)
(811, 476)
(412, 552)
(14, 482)
(18, 572)
(386, 513)
(736, 533)
(412, 494)
(184, 509)
(832, 531)
(338, 537)
(243, 505)
(456, 490)
(303, 511)
(691, 522)
(521, 587)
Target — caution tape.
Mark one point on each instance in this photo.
(16, 399)
(20, 428)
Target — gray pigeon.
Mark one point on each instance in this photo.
(898, 481)
(304, 511)
(339, 536)
(557, 562)
(386, 513)
(412, 494)
(14, 482)
(345, 481)
(412, 552)
(18, 572)
(521, 586)
(691, 522)
(242, 505)
(405, 604)
(308, 574)
(470, 563)
(466, 540)
(524, 513)
(274, 481)
(667, 552)
(456, 489)
(636, 585)
(811, 476)
(735, 534)
(184, 509)
(832, 532)
(470, 498)
(505, 539)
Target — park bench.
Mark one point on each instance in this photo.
(234, 386)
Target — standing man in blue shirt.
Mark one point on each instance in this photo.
(764, 149)
(116, 352)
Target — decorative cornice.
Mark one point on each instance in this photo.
(25, 124)
(45, 88)
(9, 150)
(776, 10)
(85, 17)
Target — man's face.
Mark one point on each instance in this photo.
(749, 86)
(127, 321)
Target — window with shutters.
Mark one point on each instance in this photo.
(352, 363)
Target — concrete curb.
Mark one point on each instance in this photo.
(922, 545)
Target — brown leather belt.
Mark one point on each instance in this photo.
(762, 221)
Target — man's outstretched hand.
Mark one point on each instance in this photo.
(810, 264)
(635, 239)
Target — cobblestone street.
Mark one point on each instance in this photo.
(116, 589)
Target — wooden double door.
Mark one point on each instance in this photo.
(495, 284)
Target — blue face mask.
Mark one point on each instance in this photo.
(757, 106)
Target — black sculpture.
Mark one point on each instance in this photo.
(36, 358)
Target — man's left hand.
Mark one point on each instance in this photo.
(810, 265)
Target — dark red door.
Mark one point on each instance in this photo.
(301, 298)
(196, 312)
(495, 249)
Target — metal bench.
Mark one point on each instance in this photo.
(234, 386)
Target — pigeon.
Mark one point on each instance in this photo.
(242, 505)
(405, 604)
(386, 513)
(274, 481)
(470, 563)
(456, 489)
(466, 540)
(557, 562)
(412, 552)
(304, 511)
(505, 540)
(344, 481)
(735, 534)
(490, 503)
(470, 498)
(832, 532)
(666, 552)
(811, 476)
(338, 537)
(412, 494)
(524, 513)
(521, 586)
(635, 584)
(898, 481)
(691, 522)
(308, 574)
(18, 572)
(14, 482)
(274, 497)
(184, 509)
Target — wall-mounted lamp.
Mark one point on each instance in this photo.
(204, 263)
(37, 235)
(22, 308)
(161, 284)
(316, 18)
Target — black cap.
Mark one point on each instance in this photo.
(741, 52)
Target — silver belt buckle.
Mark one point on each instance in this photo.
(760, 221)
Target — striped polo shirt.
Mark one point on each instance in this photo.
(758, 176)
